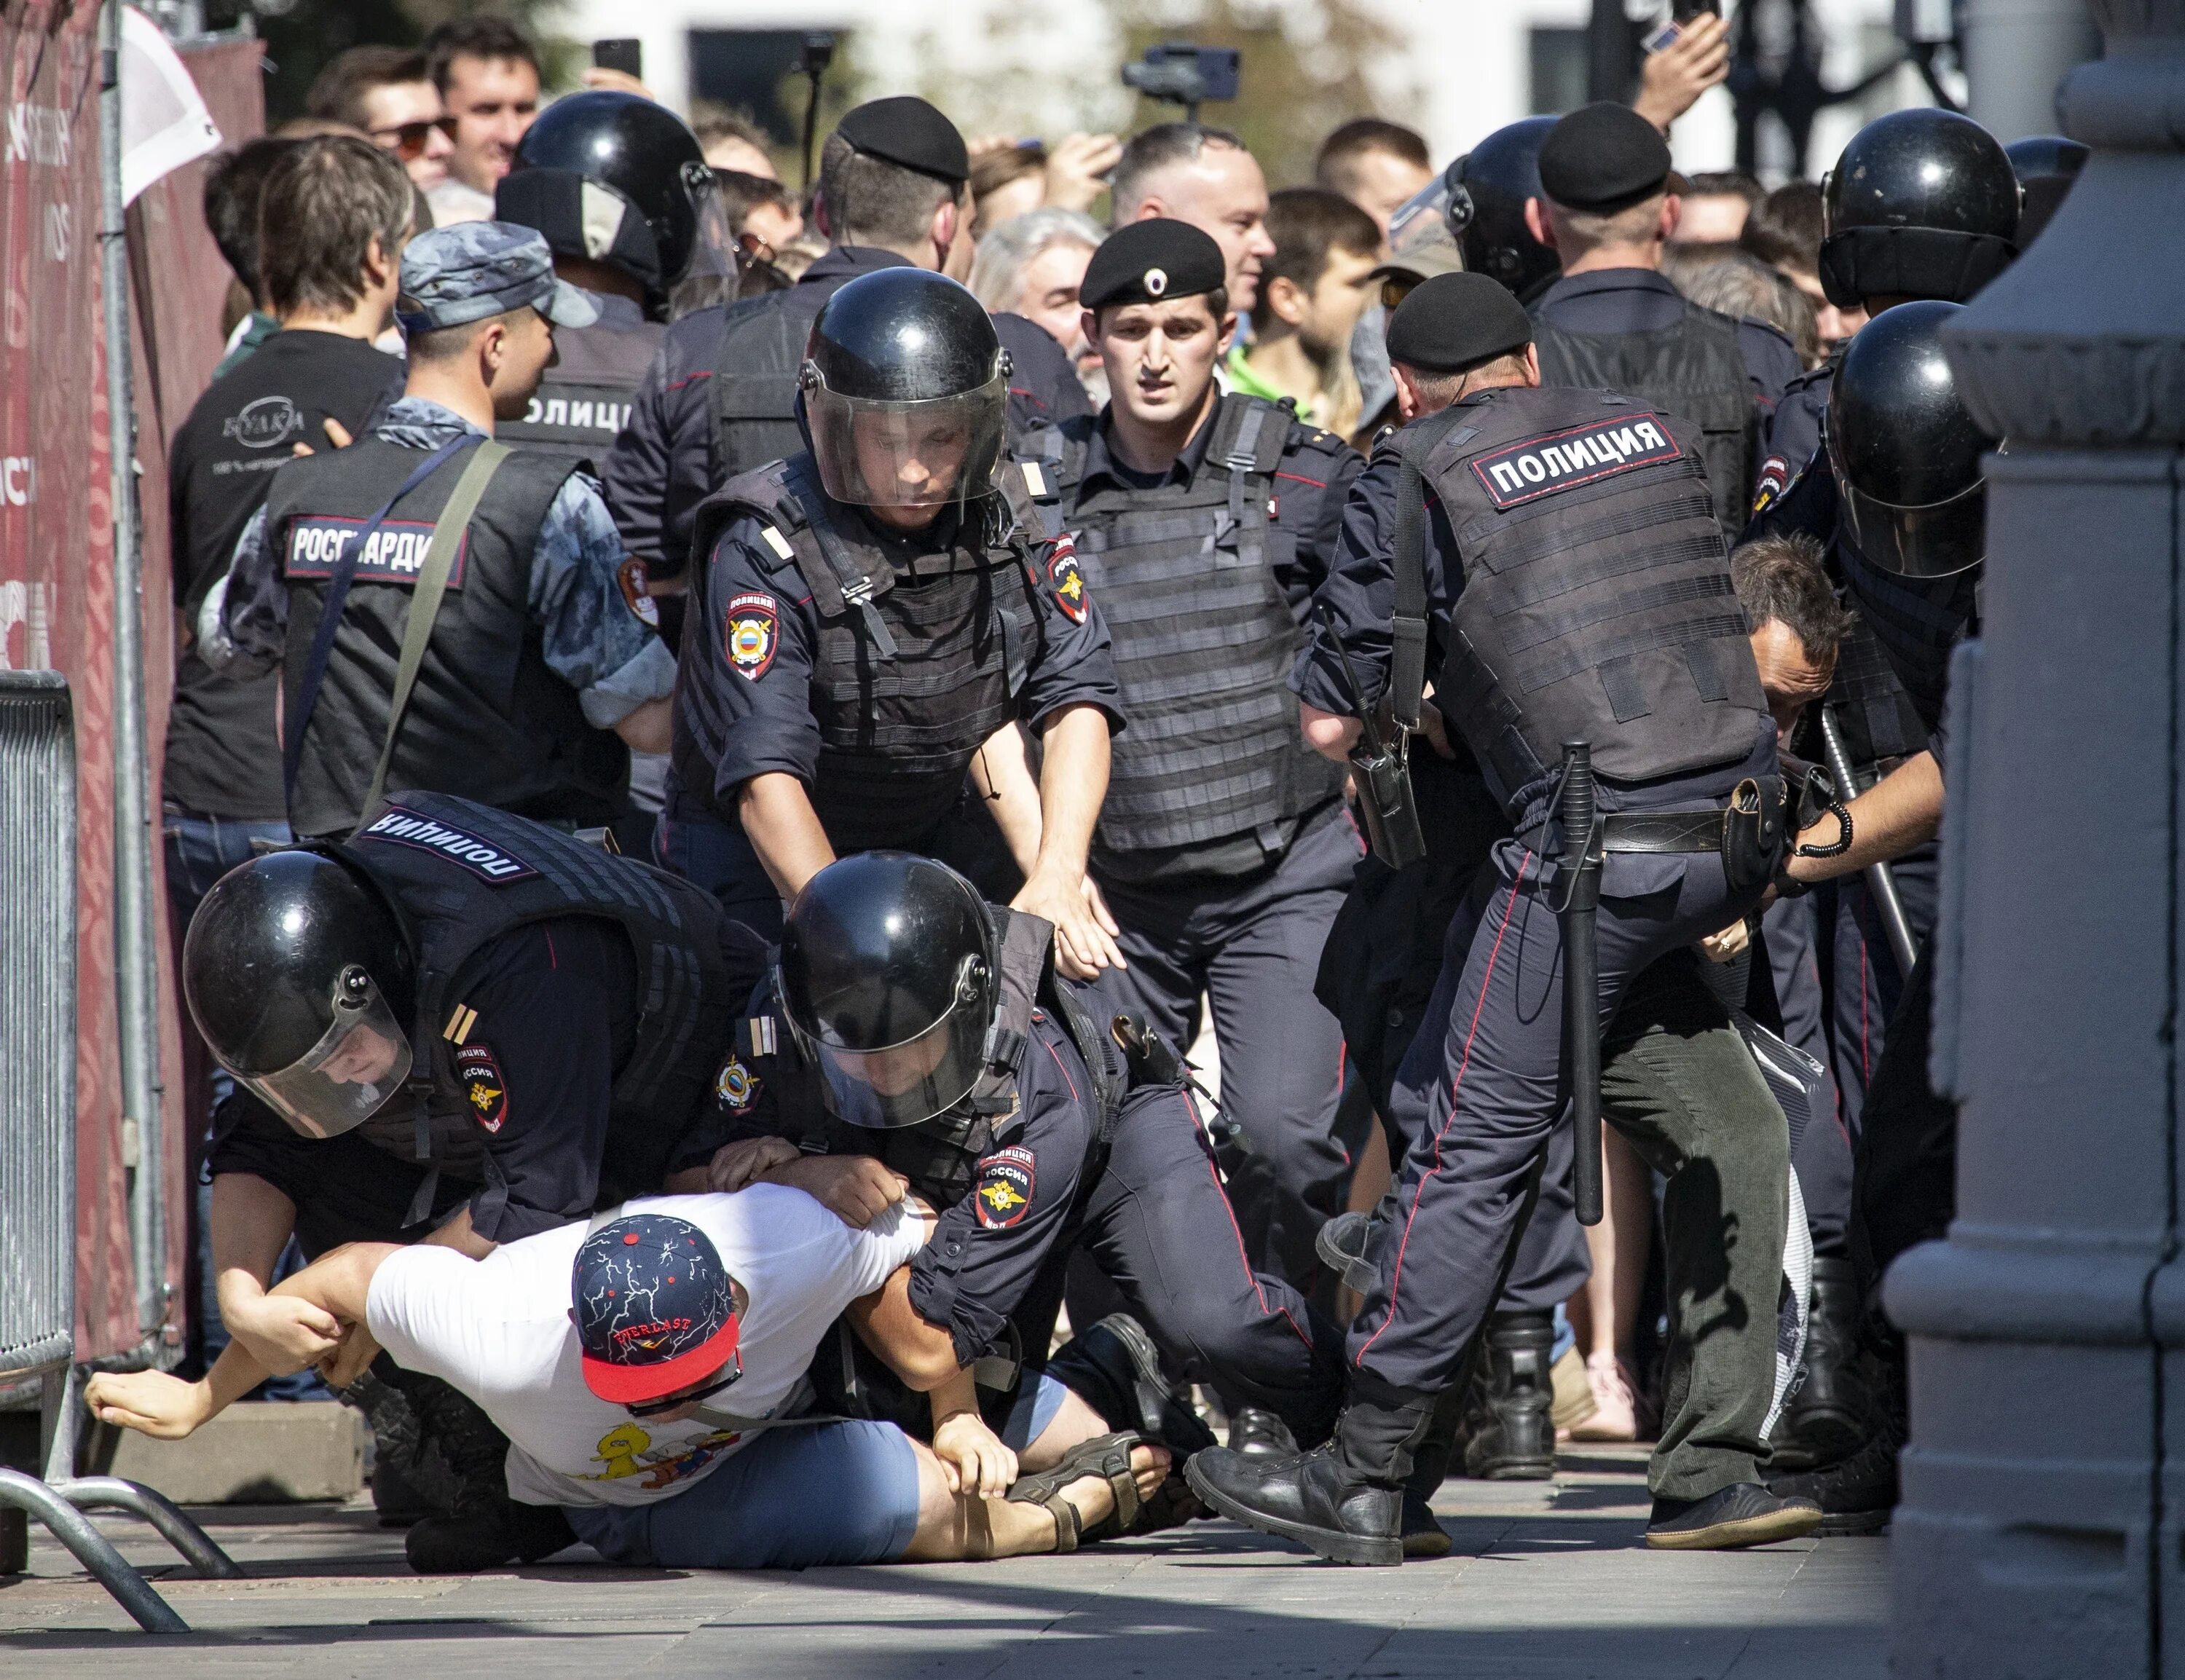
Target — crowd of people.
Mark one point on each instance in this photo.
(732, 738)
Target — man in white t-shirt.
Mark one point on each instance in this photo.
(649, 1371)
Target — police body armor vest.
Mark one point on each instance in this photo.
(1694, 371)
(488, 714)
(584, 400)
(1876, 716)
(464, 874)
(914, 668)
(751, 403)
(1596, 602)
(1204, 636)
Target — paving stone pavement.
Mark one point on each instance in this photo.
(1545, 1583)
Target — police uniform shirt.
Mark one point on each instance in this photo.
(661, 466)
(757, 603)
(1360, 594)
(1793, 437)
(591, 634)
(1613, 300)
(222, 759)
(553, 1017)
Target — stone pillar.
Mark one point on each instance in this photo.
(2016, 52)
(2045, 1486)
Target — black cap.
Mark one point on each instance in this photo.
(1454, 321)
(907, 131)
(1603, 158)
(1144, 262)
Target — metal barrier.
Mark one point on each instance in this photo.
(38, 1143)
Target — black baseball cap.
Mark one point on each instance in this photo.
(654, 1308)
(1603, 158)
(1453, 321)
(1143, 262)
(907, 131)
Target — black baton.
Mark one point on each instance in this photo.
(1880, 879)
(1579, 877)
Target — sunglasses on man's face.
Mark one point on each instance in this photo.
(674, 1402)
(410, 137)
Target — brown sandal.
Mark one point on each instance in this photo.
(1107, 1456)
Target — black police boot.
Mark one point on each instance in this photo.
(486, 1528)
(403, 1491)
(1423, 1537)
(1513, 1413)
(1115, 1369)
(1857, 1494)
(1257, 1432)
(1344, 1500)
(1826, 1419)
(1744, 1514)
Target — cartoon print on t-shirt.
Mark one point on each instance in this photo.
(626, 1450)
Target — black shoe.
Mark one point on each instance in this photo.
(1258, 1433)
(1512, 1414)
(1743, 1514)
(1115, 1369)
(1423, 1538)
(487, 1538)
(397, 1502)
(1826, 1419)
(1312, 1498)
(1856, 1496)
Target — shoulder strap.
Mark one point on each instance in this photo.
(1407, 652)
(448, 534)
(330, 612)
(1249, 435)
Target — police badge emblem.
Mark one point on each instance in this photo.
(1067, 580)
(635, 593)
(752, 634)
(1003, 1197)
(483, 1088)
(736, 1085)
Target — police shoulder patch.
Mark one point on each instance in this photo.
(483, 1087)
(1006, 1180)
(1776, 478)
(631, 576)
(754, 631)
(736, 1085)
(1066, 580)
(1583, 455)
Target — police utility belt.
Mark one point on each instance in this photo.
(1746, 833)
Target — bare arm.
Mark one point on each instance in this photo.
(1329, 733)
(923, 1355)
(1073, 781)
(784, 829)
(1897, 814)
(650, 727)
(252, 1221)
(456, 1232)
(1002, 773)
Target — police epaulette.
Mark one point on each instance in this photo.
(460, 1024)
(758, 1036)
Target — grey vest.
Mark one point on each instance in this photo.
(585, 399)
(488, 715)
(1693, 371)
(1878, 718)
(1596, 601)
(915, 668)
(1204, 638)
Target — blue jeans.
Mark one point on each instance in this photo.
(200, 850)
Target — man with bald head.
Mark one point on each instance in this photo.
(1190, 172)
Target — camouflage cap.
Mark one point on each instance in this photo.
(467, 270)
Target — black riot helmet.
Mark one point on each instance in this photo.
(2046, 166)
(906, 391)
(300, 978)
(890, 976)
(1905, 449)
(1922, 203)
(613, 177)
(1489, 185)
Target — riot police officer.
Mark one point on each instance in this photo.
(720, 398)
(1555, 626)
(525, 669)
(1497, 179)
(1203, 522)
(463, 1027)
(1612, 321)
(913, 1024)
(1902, 486)
(880, 611)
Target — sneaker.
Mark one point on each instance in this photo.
(1744, 1514)
(1615, 1409)
(1856, 1496)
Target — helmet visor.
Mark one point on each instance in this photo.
(873, 453)
(359, 1063)
(714, 243)
(1938, 540)
(906, 1084)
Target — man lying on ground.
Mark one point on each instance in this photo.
(649, 1372)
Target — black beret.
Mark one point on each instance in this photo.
(1157, 258)
(1454, 321)
(1603, 158)
(907, 131)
